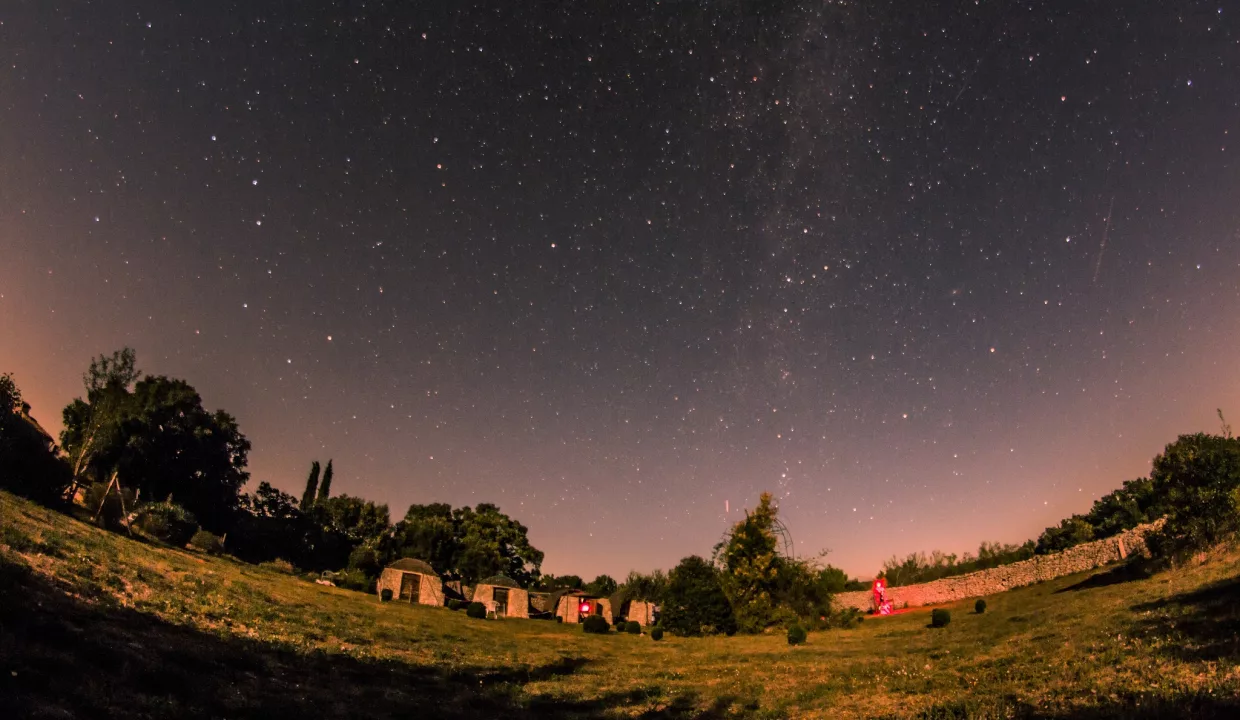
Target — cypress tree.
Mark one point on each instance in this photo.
(325, 487)
(312, 485)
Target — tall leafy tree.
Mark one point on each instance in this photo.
(93, 424)
(312, 487)
(603, 586)
(362, 521)
(466, 543)
(751, 564)
(325, 487)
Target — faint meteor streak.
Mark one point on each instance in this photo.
(1106, 229)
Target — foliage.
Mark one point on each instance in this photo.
(271, 526)
(354, 579)
(312, 487)
(109, 508)
(633, 627)
(940, 618)
(647, 588)
(559, 582)
(979, 607)
(160, 440)
(365, 560)
(325, 485)
(208, 542)
(656, 634)
(361, 521)
(466, 543)
(476, 610)
(796, 635)
(278, 565)
(619, 624)
(1197, 479)
(386, 595)
(918, 567)
(751, 566)
(694, 602)
(595, 624)
(1135, 503)
(166, 521)
(601, 586)
(29, 463)
(454, 604)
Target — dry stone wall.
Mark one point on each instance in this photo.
(1006, 577)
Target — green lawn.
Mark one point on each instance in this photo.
(95, 624)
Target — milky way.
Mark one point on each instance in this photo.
(931, 276)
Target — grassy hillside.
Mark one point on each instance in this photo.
(95, 624)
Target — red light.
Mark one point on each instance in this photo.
(585, 608)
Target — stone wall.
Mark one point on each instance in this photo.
(1037, 569)
(518, 600)
(642, 612)
(430, 588)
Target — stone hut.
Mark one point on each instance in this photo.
(503, 596)
(411, 581)
(641, 611)
(574, 605)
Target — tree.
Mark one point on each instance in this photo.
(694, 602)
(602, 586)
(359, 520)
(1197, 479)
(1068, 533)
(468, 544)
(649, 588)
(160, 441)
(560, 582)
(312, 487)
(93, 423)
(29, 462)
(751, 566)
(325, 487)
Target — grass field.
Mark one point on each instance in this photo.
(94, 624)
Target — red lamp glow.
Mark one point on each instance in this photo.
(585, 608)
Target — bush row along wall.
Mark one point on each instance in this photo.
(1006, 577)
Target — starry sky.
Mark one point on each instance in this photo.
(931, 273)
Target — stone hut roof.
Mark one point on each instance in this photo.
(411, 565)
(500, 581)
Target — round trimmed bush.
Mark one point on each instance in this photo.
(595, 624)
(940, 618)
(619, 626)
(656, 634)
(167, 522)
(980, 606)
(386, 595)
(796, 635)
(633, 627)
(559, 619)
(476, 610)
(208, 542)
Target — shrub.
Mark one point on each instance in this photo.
(595, 624)
(633, 627)
(365, 558)
(979, 607)
(454, 604)
(208, 542)
(656, 634)
(694, 601)
(796, 635)
(168, 522)
(559, 619)
(354, 579)
(1197, 479)
(619, 626)
(940, 618)
(386, 595)
(476, 610)
(278, 565)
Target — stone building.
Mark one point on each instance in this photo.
(411, 581)
(501, 595)
(574, 605)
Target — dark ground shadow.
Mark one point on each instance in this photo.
(61, 657)
(1119, 574)
(1201, 625)
(1198, 706)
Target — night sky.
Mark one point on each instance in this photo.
(932, 273)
